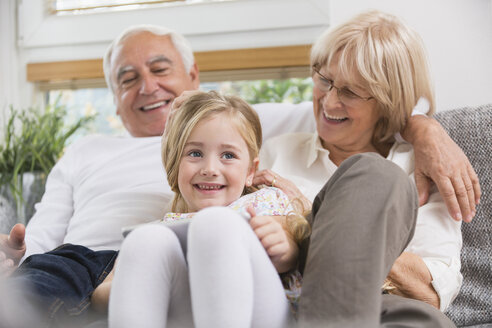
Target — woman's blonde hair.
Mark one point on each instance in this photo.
(182, 121)
(388, 58)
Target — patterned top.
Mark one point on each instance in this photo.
(266, 201)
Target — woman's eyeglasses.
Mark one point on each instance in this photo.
(345, 95)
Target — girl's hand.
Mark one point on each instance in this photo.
(271, 179)
(278, 243)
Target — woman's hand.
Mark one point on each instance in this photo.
(100, 296)
(271, 179)
(440, 159)
(278, 243)
(410, 278)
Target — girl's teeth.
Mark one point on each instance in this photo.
(209, 187)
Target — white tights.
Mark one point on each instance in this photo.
(233, 282)
(150, 286)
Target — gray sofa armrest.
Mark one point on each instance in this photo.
(471, 129)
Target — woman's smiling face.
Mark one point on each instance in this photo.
(346, 127)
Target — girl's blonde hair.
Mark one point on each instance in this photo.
(390, 60)
(203, 105)
(193, 110)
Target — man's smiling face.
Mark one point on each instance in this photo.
(147, 73)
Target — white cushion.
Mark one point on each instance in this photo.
(281, 118)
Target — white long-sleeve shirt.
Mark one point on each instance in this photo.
(301, 158)
(100, 185)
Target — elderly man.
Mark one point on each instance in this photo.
(102, 183)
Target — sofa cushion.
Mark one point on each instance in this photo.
(471, 129)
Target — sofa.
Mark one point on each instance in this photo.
(471, 128)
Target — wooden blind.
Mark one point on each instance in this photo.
(208, 61)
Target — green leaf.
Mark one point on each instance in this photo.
(33, 141)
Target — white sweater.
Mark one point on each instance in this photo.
(101, 184)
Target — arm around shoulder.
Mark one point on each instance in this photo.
(440, 159)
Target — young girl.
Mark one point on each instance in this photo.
(230, 274)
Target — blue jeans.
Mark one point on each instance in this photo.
(62, 281)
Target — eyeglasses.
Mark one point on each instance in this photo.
(345, 95)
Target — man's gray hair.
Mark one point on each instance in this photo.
(180, 43)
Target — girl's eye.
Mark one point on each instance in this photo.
(194, 153)
(228, 156)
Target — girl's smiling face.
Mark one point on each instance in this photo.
(216, 164)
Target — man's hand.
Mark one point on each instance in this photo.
(12, 249)
(438, 158)
(410, 278)
(279, 245)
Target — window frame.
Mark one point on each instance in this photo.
(108, 7)
(231, 24)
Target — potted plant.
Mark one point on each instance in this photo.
(33, 141)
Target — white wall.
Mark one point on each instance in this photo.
(457, 33)
(9, 65)
(458, 38)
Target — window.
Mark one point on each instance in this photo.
(64, 7)
(87, 102)
(229, 47)
(91, 101)
(274, 74)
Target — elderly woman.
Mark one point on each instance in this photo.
(368, 75)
